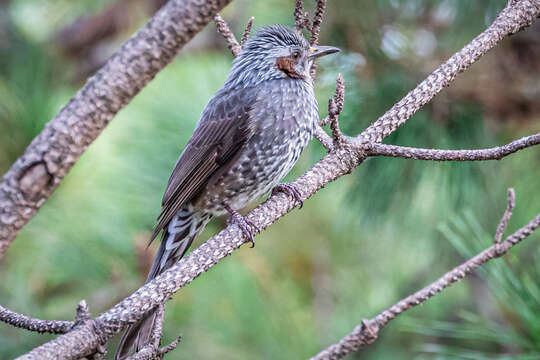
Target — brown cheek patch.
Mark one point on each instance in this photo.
(286, 64)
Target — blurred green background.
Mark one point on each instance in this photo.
(356, 247)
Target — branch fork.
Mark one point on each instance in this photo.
(225, 30)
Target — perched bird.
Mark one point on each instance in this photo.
(248, 138)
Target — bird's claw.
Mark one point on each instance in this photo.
(248, 228)
(290, 190)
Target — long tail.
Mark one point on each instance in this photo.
(175, 241)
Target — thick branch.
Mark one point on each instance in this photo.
(367, 332)
(38, 172)
(337, 163)
(31, 324)
(159, 290)
(496, 153)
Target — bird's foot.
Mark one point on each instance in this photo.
(290, 190)
(248, 228)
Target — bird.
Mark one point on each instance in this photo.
(249, 136)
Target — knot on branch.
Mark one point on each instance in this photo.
(34, 180)
(369, 331)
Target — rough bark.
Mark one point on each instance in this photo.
(496, 153)
(37, 173)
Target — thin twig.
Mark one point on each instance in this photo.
(83, 313)
(315, 32)
(152, 350)
(224, 29)
(157, 331)
(247, 31)
(496, 153)
(335, 107)
(170, 347)
(511, 203)
(32, 324)
(301, 18)
(326, 140)
(317, 22)
(367, 332)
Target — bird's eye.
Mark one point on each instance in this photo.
(296, 54)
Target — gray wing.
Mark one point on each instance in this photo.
(225, 126)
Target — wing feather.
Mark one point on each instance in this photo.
(225, 126)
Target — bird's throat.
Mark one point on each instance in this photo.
(286, 65)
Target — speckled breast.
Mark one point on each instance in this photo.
(285, 114)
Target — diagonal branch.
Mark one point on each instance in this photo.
(367, 332)
(38, 172)
(338, 162)
(505, 24)
(496, 153)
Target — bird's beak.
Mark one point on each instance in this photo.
(318, 51)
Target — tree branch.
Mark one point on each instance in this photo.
(224, 29)
(514, 17)
(301, 18)
(317, 22)
(152, 350)
(335, 107)
(340, 161)
(247, 31)
(32, 324)
(496, 153)
(511, 204)
(38, 172)
(367, 332)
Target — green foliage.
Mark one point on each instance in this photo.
(508, 323)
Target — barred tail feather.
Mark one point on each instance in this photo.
(176, 239)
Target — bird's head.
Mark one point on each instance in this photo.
(276, 52)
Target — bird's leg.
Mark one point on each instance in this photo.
(290, 190)
(248, 228)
